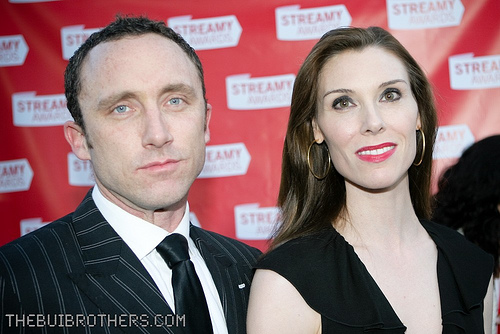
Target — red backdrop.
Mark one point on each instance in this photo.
(251, 52)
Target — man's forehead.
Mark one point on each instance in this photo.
(113, 54)
(134, 41)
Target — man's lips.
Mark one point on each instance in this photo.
(376, 153)
(160, 164)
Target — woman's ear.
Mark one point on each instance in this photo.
(318, 134)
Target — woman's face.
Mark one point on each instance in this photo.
(368, 117)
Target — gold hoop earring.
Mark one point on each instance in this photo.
(423, 149)
(309, 162)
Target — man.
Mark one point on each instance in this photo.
(136, 93)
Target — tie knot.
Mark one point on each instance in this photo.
(173, 249)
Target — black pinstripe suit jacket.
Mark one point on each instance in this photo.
(77, 275)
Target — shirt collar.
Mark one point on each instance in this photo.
(141, 236)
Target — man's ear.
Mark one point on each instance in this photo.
(208, 115)
(77, 140)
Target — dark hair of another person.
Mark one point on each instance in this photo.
(469, 195)
(122, 27)
(307, 204)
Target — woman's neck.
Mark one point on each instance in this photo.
(384, 217)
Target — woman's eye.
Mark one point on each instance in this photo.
(391, 95)
(342, 102)
(121, 109)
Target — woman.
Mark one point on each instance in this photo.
(469, 196)
(468, 200)
(354, 252)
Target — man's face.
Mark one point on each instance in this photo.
(145, 120)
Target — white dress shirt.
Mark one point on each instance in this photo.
(143, 237)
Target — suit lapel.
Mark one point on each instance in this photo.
(227, 279)
(113, 277)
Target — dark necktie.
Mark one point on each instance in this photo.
(189, 298)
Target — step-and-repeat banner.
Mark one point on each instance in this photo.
(251, 51)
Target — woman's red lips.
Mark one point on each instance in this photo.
(376, 153)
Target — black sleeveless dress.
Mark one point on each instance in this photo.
(334, 282)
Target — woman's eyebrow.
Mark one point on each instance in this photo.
(339, 90)
(346, 91)
(392, 82)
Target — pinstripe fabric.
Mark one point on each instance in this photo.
(77, 271)
(231, 264)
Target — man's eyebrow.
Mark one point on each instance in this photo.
(112, 99)
(179, 87)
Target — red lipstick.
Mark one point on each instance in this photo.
(376, 153)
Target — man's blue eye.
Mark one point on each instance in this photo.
(175, 101)
(121, 109)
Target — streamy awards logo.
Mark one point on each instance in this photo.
(469, 72)
(31, 110)
(13, 50)
(246, 93)
(295, 24)
(452, 140)
(208, 33)
(255, 223)
(422, 14)
(72, 38)
(225, 160)
(80, 172)
(30, 224)
(15, 175)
